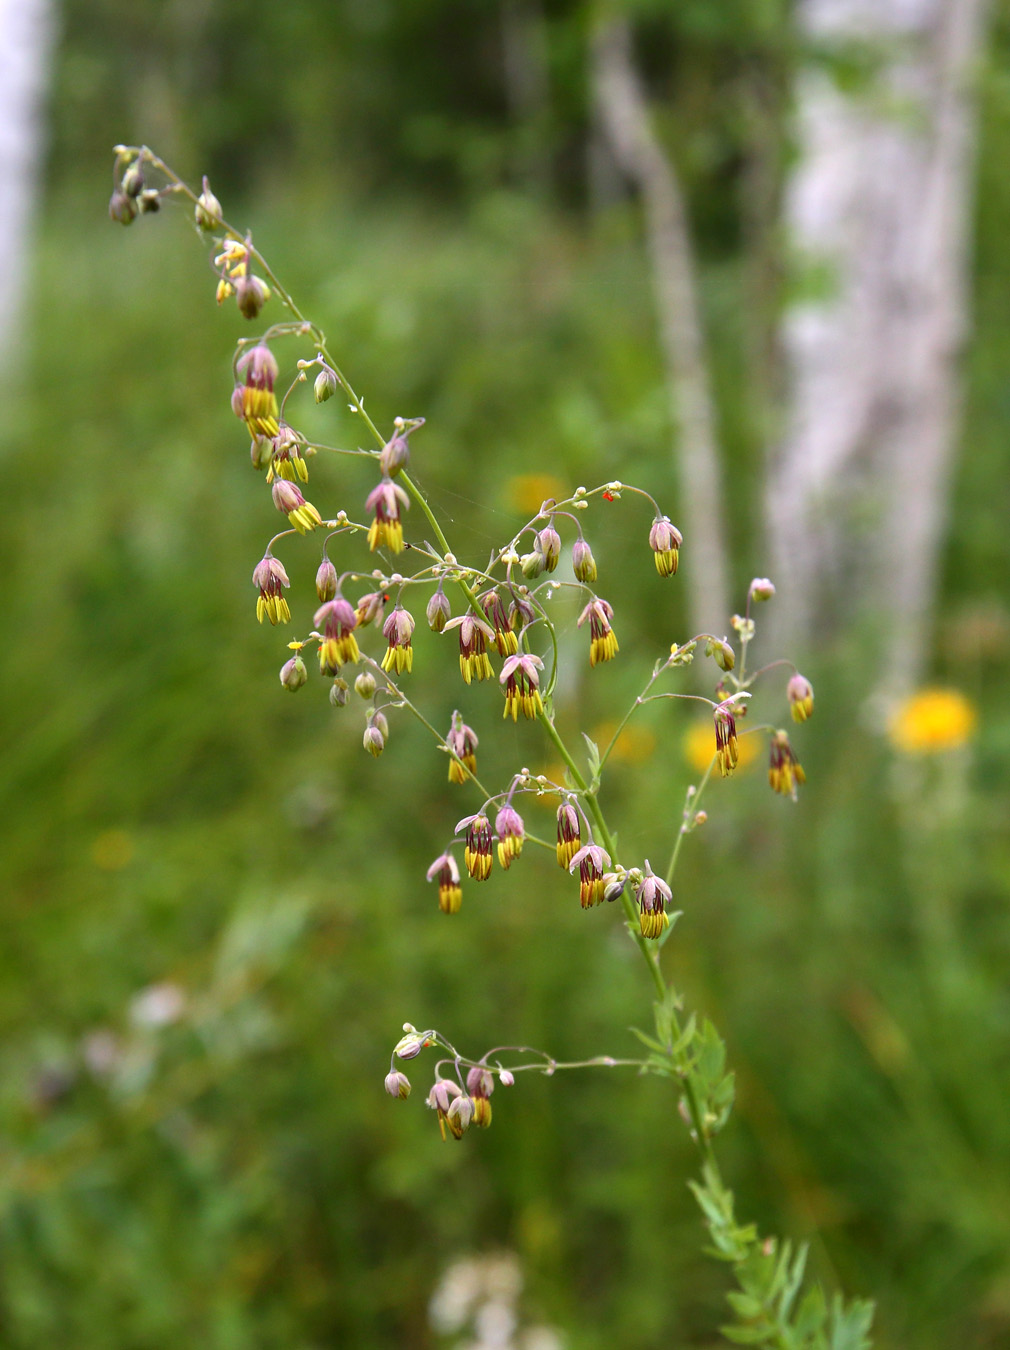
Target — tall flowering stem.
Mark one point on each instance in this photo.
(503, 611)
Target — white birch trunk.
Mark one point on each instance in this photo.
(881, 199)
(26, 38)
(624, 114)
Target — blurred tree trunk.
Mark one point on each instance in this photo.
(879, 205)
(624, 113)
(26, 39)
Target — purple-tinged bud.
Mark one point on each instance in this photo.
(459, 1116)
(398, 1084)
(721, 653)
(532, 565)
(761, 589)
(410, 1045)
(665, 541)
(613, 885)
(365, 684)
(583, 562)
(326, 581)
(373, 741)
(293, 673)
(259, 365)
(511, 834)
(480, 1081)
(521, 610)
(701, 817)
(506, 1078)
(378, 720)
(207, 212)
(251, 294)
(121, 208)
(395, 455)
(325, 385)
(338, 693)
(438, 611)
(800, 693)
(548, 543)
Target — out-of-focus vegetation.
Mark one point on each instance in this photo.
(215, 912)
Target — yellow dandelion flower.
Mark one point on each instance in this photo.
(931, 721)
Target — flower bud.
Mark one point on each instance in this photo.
(410, 1045)
(207, 212)
(293, 673)
(365, 684)
(583, 562)
(800, 694)
(532, 565)
(459, 1115)
(326, 581)
(761, 589)
(262, 447)
(325, 386)
(338, 693)
(251, 294)
(721, 653)
(133, 180)
(121, 207)
(373, 742)
(549, 544)
(379, 721)
(438, 611)
(397, 1084)
(395, 456)
(506, 1078)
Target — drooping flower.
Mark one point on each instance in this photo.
(800, 694)
(289, 501)
(592, 861)
(270, 577)
(255, 401)
(443, 1094)
(339, 646)
(293, 673)
(477, 852)
(450, 893)
(286, 460)
(521, 610)
(480, 1085)
(474, 635)
(462, 741)
(397, 1084)
(569, 836)
(653, 895)
(785, 773)
(326, 581)
(511, 834)
(385, 500)
(494, 611)
(522, 686)
(665, 541)
(397, 630)
(548, 545)
(603, 640)
(727, 751)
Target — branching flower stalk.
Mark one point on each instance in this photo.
(505, 617)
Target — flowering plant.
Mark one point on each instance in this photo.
(502, 611)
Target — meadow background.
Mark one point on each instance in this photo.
(214, 911)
